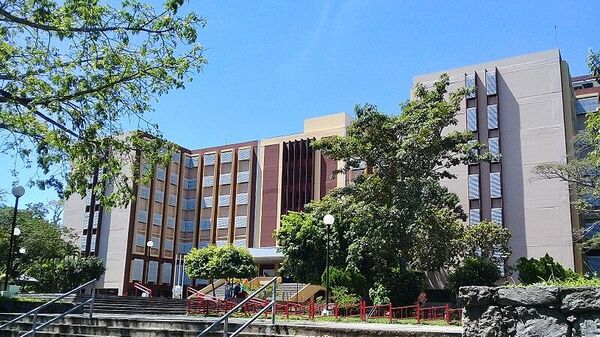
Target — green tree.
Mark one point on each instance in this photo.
(234, 262)
(71, 71)
(61, 275)
(488, 240)
(473, 271)
(41, 239)
(200, 263)
(396, 217)
(539, 270)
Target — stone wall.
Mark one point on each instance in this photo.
(530, 311)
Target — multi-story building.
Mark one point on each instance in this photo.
(522, 108)
(587, 93)
(231, 194)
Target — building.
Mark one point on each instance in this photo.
(523, 109)
(227, 194)
(587, 93)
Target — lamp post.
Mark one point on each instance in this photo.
(328, 219)
(149, 244)
(18, 191)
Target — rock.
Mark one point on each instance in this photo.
(536, 322)
(493, 322)
(518, 296)
(580, 299)
(475, 296)
(587, 325)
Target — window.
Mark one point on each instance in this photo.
(160, 174)
(209, 159)
(156, 241)
(225, 179)
(490, 81)
(174, 178)
(206, 202)
(189, 204)
(171, 222)
(244, 154)
(474, 216)
(156, 219)
(187, 226)
(226, 157)
(497, 215)
(152, 271)
(494, 146)
(144, 192)
(137, 267)
(189, 184)
(474, 151)
(239, 243)
(243, 177)
(586, 105)
(241, 221)
(241, 199)
(191, 162)
(159, 196)
(140, 240)
(223, 223)
(96, 218)
(470, 85)
(205, 224)
(208, 181)
(143, 216)
(169, 244)
(495, 185)
(172, 200)
(221, 243)
(224, 200)
(472, 119)
(473, 186)
(165, 274)
(203, 244)
(185, 247)
(83, 243)
(176, 157)
(492, 116)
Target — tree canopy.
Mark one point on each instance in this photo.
(72, 72)
(214, 262)
(396, 218)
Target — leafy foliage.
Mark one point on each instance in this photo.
(474, 271)
(220, 262)
(342, 296)
(61, 275)
(345, 278)
(488, 240)
(41, 240)
(72, 71)
(539, 270)
(404, 285)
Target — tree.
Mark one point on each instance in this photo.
(488, 240)
(397, 217)
(474, 271)
(73, 70)
(41, 239)
(64, 274)
(539, 270)
(200, 263)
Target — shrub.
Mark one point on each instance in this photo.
(341, 295)
(474, 271)
(379, 294)
(346, 278)
(535, 271)
(403, 285)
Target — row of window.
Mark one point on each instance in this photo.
(495, 186)
(475, 215)
(86, 219)
(492, 117)
(187, 226)
(490, 83)
(137, 267)
(83, 243)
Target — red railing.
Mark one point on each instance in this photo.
(208, 305)
(192, 291)
(143, 289)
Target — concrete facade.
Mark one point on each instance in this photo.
(534, 125)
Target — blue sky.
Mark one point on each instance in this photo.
(274, 63)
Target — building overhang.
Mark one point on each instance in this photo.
(266, 255)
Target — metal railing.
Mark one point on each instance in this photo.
(143, 289)
(225, 318)
(34, 312)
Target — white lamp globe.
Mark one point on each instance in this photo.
(328, 219)
(22, 250)
(18, 191)
(150, 244)
(17, 231)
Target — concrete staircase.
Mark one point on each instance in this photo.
(284, 291)
(136, 305)
(182, 326)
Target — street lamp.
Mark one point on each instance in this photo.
(18, 191)
(328, 219)
(22, 251)
(149, 244)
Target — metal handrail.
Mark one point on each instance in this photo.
(143, 288)
(35, 311)
(225, 317)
